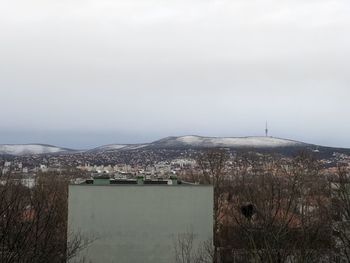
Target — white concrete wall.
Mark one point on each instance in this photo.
(137, 224)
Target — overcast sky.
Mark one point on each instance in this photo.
(81, 73)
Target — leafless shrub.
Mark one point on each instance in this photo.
(186, 251)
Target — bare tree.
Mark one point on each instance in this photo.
(212, 164)
(33, 222)
(269, 209)
(340, 185)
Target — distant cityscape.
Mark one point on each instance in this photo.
(170, 156)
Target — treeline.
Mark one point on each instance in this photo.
(277, 210)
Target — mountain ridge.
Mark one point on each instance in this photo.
(174, 142)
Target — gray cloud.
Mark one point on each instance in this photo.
(137, 70)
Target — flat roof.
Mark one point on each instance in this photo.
(184, 184)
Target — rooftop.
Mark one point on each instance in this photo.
(106, 180)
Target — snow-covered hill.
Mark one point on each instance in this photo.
(29, 149)
(229, 142)
(191, 141)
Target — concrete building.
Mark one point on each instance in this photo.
(136, 221)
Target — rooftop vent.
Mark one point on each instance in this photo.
(122, 181)
(173, 179)
(140, 179)
(155, 182)
(101, 180)
(89, 181)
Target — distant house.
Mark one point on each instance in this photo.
(139, 220)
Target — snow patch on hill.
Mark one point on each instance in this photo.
(110, 147)
(231, 142)
(117, 147)
(27, 149)
(135, 146)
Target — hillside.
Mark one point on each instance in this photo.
(30, 149)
